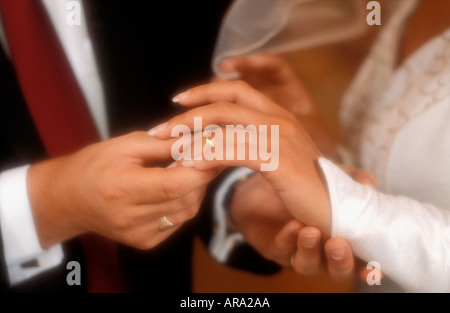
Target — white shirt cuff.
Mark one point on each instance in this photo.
(409, 239)
(20, 239)
(222, 242)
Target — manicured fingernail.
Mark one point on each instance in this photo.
(337, 252)
(187, 163)
(310, 241)
(182, 96)
(156, 129)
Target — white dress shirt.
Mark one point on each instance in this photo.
(20, 240)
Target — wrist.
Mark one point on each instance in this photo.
(235, 199)
(48, 199)
(309, 201)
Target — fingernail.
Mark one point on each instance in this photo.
(187, 163)
(156, 129)
(182, 96)
(310, 241)
(337, 252)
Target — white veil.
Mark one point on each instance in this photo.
(277, 26)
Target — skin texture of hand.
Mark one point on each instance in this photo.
(272, 75)
(110, 189)
(260, 215)
(270, 229)
(276, 233)
(298, 180)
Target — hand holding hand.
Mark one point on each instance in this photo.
(297, 178)
(260, 215)
(275, 78)
(109, 188)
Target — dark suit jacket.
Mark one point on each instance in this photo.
(147, 51)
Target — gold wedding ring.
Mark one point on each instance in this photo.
(165, 224)
(209, 141)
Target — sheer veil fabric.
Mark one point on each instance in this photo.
(253, 26)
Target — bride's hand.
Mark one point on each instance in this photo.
(273, 76)
(258, 213)
(297, 177)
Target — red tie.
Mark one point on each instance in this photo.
(59, 111)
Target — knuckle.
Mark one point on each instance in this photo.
(121, 222)
(110, 193)
(173, 189)
(240, 84)
(191, 199)
(191, 211)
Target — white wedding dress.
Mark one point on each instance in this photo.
(398, 122)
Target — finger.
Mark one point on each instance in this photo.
(269, 65)
(341, 262)
(237, 92)
(181, 217)
(221, 114)
(307, 258)
(234, 155)
(218, 79)
(148, 235)
(188, 203)
(232, 64)
(240, 148)
(285, 243)
(153, 185)
(177, 219)
(140, 145)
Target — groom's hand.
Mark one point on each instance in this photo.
(115, 188)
